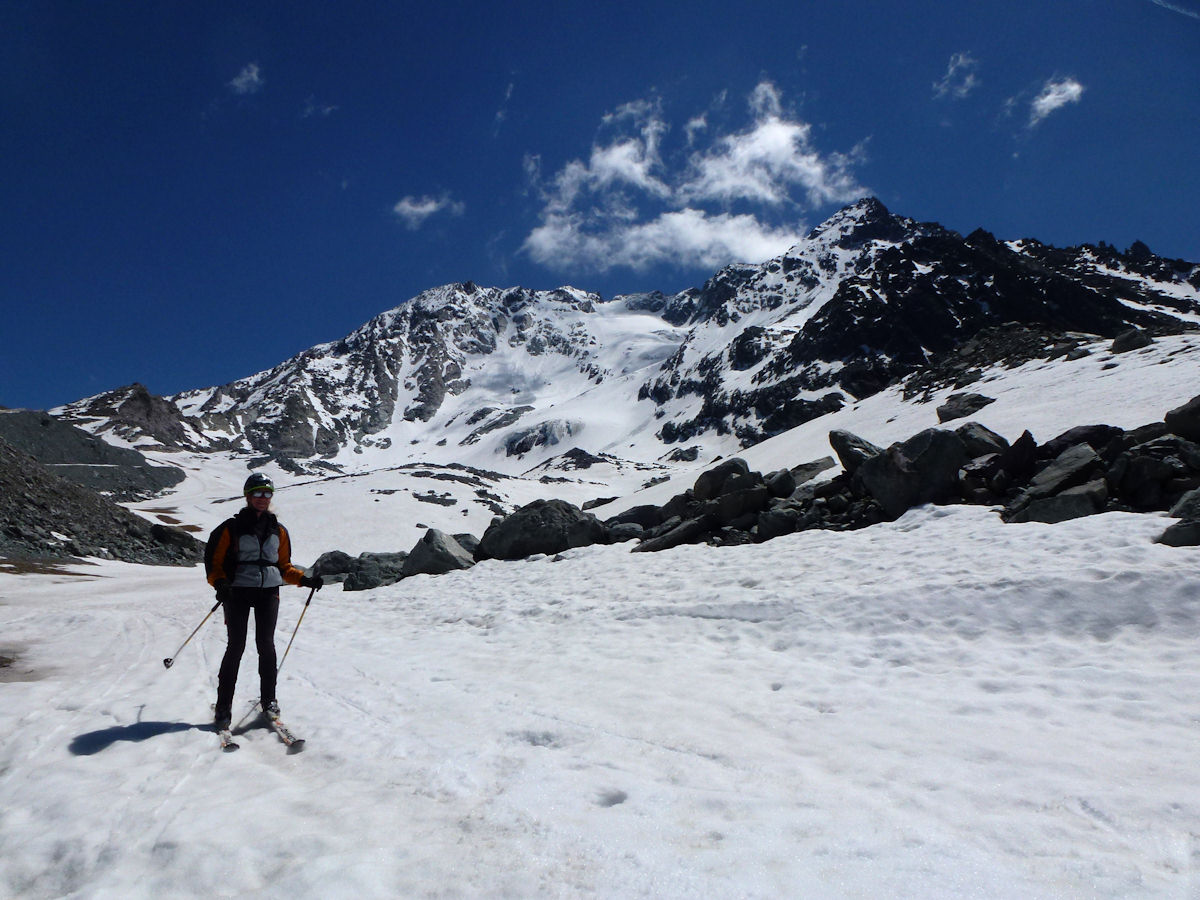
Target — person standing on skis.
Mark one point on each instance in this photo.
(251, 558)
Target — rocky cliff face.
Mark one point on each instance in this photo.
(866, 298)
(870, 297)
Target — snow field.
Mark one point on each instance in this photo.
(945, 706)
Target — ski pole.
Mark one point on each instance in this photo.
(170, 660)
(294, 630)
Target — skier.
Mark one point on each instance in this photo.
(249, 558)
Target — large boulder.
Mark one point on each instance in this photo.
(1074, 466)
(1185, 420)
(690, 532)
(852, 451)
(436, 553)
(647, 516)
(712, 483)
(1155, 474)
(979, 440)
(372, 570)
(1188, 507)
(963, 404)
(1072, 503)
(334, 565)
(922, 469)
(1181, 534)
(1099, 437)
(543, 526)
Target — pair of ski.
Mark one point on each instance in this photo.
(294, 744)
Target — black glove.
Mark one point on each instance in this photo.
(316, 582)
(224, 590)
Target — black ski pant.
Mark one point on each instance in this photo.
(265, 603)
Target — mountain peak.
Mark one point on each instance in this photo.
(859, 223)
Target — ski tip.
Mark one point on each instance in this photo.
(295, 746)
(230, 747)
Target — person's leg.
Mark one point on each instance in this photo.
(266, 614)
(237, 616)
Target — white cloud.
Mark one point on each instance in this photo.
(248, 81)
(738, 197)
(312, 107)
(1175, 7)
(694, 128)
(960, 78)
(1054, 96)
(767, 164)
(687, 237)
(414, 211)
(502, 112)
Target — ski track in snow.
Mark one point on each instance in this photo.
(945, 706)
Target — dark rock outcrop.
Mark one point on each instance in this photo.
(44, 516)
(80, 457)
(436, 553)
(544, 526)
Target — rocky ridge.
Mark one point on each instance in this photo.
(45, 516)
(866, 299)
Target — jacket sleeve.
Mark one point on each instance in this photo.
(291, 574)
(218, 572)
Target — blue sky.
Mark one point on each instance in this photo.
(194, 191)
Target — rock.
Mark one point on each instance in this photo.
(923, 469)
(468, 542)
(1181, 534)
(1185, 420)
(1084, 500)
(806, 472)
(1070, 468)
(1016, 465)
(1152, 476)
(436, 553)
(1098, 437)
(781, 483)
(334, 565)
(543, 526)
(372, 570)
(685, 506)
(625, 531)
(852, 451)
(645, 516)
(778, 521)
(1132, 339)
(733, 505)
(1188, 507)
(962, 404)
(690, 532)
(980, 441)
(711, 484)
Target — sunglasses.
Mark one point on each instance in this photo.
(260, 494)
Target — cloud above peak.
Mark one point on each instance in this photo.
(415, 211)
(721, 196)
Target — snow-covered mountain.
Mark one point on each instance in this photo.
(949, 704)
(508, 379)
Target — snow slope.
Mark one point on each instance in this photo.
(944, 706)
